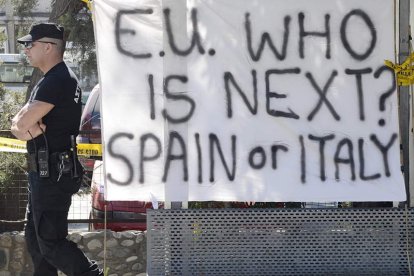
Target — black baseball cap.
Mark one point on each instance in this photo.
(40, 30)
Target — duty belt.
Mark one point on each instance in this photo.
(32, 160)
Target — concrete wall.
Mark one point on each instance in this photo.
(125, 252)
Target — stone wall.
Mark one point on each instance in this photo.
(125, 252)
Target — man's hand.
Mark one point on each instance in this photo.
(37, 129)
(33, 132)
(29, 118)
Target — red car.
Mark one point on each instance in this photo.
(90, 129)
(119, 213)
(123, 211)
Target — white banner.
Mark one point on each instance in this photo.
(267, 100)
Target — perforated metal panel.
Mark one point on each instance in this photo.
(279, 242)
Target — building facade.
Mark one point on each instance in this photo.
(10, 23)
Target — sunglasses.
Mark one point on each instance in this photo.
(29, 44)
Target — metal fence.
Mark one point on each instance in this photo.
(280, 242)
(253, 241)
(14, 197)
(13, 201)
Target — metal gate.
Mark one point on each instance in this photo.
(280, 242)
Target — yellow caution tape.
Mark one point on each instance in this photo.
(404, 72)
(14, 145)
(88, 3)
(90, 149)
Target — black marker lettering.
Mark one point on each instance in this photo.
(152, 95)
(266, 39)
(170, 156)
(228, 77)
(200, 158)
(322, 140)
(262, 155)
(384, 150)
(214, 141)
(143, 158)
(274, 150)
(358, 75)
(302, 160)
(362, 163)
(349, 160)
(124, 32)
(195, 40)
(270, 94)
(303, 33)
(176, 97)
(372, 32)
(322, 96)
(130, 174)
(389, 91)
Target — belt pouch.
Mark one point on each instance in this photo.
(63, 161)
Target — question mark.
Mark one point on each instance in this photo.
(387, 93)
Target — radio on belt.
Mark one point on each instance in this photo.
(43, 162)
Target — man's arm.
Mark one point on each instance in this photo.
(29, 119)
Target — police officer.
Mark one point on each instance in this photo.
(47, 122)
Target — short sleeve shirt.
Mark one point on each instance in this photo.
(60, 87)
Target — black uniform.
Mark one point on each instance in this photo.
(50, 198)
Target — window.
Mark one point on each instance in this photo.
(15, 73)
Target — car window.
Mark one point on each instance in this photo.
(97, 108)
(96, 115)
(90, 104)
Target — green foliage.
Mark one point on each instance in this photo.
(78, 24)
(10, 104)
(221, 204)
(23, 8)
(205, 204)
(3, 37)
(345, 204)
(77, 21)
(10, 163)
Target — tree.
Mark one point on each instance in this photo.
(75, 17)
(77, 20)
(10, 163)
